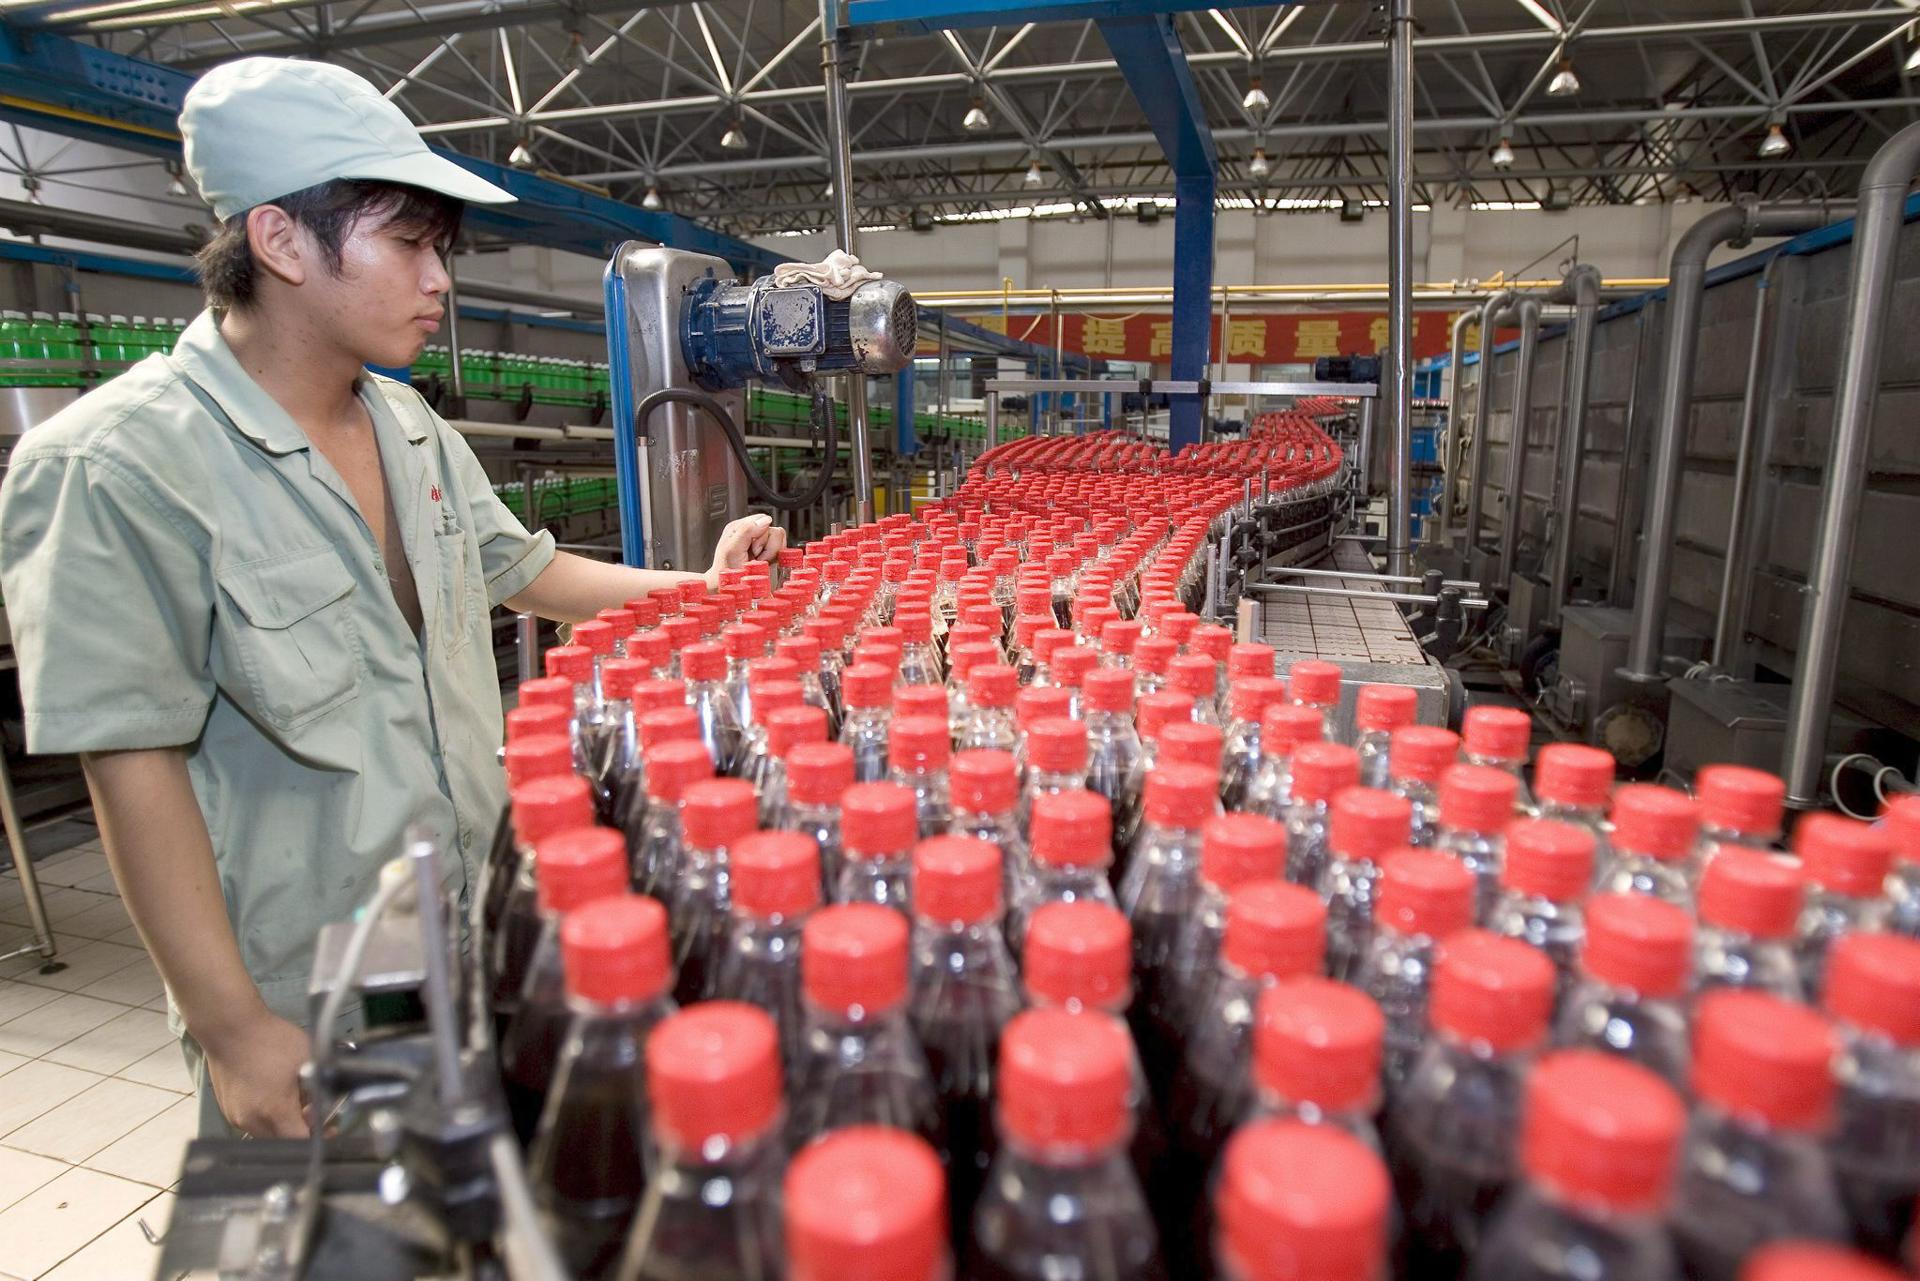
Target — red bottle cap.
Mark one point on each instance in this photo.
(1248, 697)
(1057, 745)
(1091, 619)
(690, 590)
(1039, 703)
(681, 632)
(853, 959)
(1737, 799)
(538, 721)
(548, 691)
(1177, 795)
(920, 743)
(674, 765)
(744, 641)
(1275, 930)
(1034, 599)
(1079, 954)
(1494, 990)
(775, 874)
(788, 727)
(1276, 1225)
(1602, 1131)
(1065, 1081)
(916, 625)
(1238, 848)
(716, 812)
(658, 695)
(645, 611)
(1638, 942)
(920, 700)
(1573, 774)
(668, 725)
(539, 756)
(713, 1072)
(1321, 770)
(803, 650)
(1423, 892)
(1154, 712)
(963, 658)
(1477, 798)
(614, 950)
(762, 671)
(1384, 708)
(1873, 982)
(883, 636)
(1287, 727)
(1548, 859)
(881, 655)
(1814, 1261)
(1319, 1042)
(1248, 659)
(1192, 743)
(992, 684)
(1656, 821)
(866, 1204)
(548, 805)
(1179, 626)
(866, 686)
(1750, 893)
(817, 773)
(878, 819)
(1049, 642)
(1902, 821)
(571, 663)
(1071, 667)
(1211, 639)
(596, 636)
(1367, 823)
(1497, 733)
(1761, 1059)
(1071, 829)
(957, 878)
(1844, 855)
(704, 661)
(826, 629)
(1421, 753)
(652, 647)
(1194, 675)
(1314, 682)
(984, 781)
(577, 865)
(771, 697)
(1154, 653)
(1120, 636)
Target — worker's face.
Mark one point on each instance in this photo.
(388, 298)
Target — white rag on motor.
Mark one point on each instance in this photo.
(836, 276)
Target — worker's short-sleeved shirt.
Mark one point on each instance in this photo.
(181, 568)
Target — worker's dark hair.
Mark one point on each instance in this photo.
(230, 277)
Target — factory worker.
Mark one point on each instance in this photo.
(252, 584)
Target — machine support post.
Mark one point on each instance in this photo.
(1399, 287)
(833, 50)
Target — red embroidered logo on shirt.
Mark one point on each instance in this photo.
(434, 493)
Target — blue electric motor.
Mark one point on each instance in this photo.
(732, 334)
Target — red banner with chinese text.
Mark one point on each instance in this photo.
(1257, 339)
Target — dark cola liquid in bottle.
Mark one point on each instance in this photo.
(542, 809)
(530, 756)
(714, 815)
(586, 1162)
(776, 886)
(964, 991)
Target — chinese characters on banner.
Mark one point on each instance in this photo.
(1263, 339)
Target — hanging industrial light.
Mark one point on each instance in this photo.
(1503, 155)
(1564, 83)
(1034, 177)
(1912, 64)
(575, 59)
(977, 120)
(652, 199)
(735, 138)
(177, 184)
(1775, 144)
(1256, 102)
(1260, 167)
(521, 157)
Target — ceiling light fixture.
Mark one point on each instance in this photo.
(1260, 167)
(1775, 144)
(521, 157)
(1912, 64)
(1503, 155)
(977, 120)
(1564, 83)
(1034, 177)
(735, 138)
(652, 199)
(575, 59)
(1256, 102)
(178, 184)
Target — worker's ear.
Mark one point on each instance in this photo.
(280, 247)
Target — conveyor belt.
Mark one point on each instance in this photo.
(1337, 628)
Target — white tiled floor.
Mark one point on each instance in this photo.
(95, 1105)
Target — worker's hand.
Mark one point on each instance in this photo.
(749, 538)
(254, 1069)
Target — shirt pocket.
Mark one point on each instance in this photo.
(460, 585)
(292, 630)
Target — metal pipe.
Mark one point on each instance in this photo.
(1346, 593)
(992, 406)
(1482, 407)
(43, 938)
(1449, 464)
(833, 51)
(1732, 609)
(1363, 490)
(1618, 579)
(1876, 235)
(1295, 571)
(1686, 275)
(1399, 287)
(1527, 311)
(456, 375)
(1582, 289)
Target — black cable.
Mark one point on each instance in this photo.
(738, 443)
